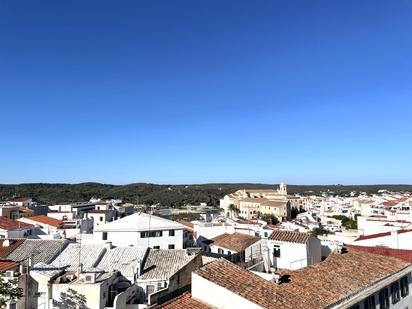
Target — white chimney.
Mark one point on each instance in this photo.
(79, 270)
(277, 278)
(30, 262)
(8, 243)
(108, 245)
(395, 238)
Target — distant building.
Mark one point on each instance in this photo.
(249, 203)
(22, 201)
(251, 208)
(399, 239)
(9, 211)
(101, 217)
(45, 223)
(142, 230)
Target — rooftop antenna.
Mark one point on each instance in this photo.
(80, 252)
(148, 238)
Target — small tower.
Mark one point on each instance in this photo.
(282, 189)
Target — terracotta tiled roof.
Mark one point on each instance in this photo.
(239, 281)
(21, 199)
(317, 286)
(187, 223)
(381, 235)
(10, 225)
(237, 241)
(275, 203)
(184, 301)
(7, 265)
(46, 220)
(402, 254)
(6, 250)
(289, 236)
(219, 237)
(254, 200)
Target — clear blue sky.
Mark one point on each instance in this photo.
(306, 92)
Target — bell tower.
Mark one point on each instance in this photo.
(283, 189)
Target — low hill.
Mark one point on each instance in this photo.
(168, 195)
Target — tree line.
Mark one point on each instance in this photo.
(167, 195)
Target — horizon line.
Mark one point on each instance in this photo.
(200, 184)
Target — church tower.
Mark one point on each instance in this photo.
(283, 189)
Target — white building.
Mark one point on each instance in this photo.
(264, 194)
(142, 230)
(15, 229)
(293, 250)
(101, 217)
(78, 208)
(58, 288)
(399, 239)
(46, 224)
(208, 230)
(237, 247)
(22, 201)
(379, 224)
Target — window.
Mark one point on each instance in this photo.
(150, 289)
(156, 247)
(171, 232)
(276, 251)
(171, 246)
(357, 306)
(384, 299)
(229, 252)
(101, 218)
(395, 292)
(369, 303)
(151, 234)
(220, 251)
(104, 236)
(404, 286)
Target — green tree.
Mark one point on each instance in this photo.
(233, 210)
(71, 300)
(347, 222)
(295, 211)
(268, 218)
(9, 291)
(320, 231)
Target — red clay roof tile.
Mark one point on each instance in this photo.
(6, 250)
(331, 280)
(184, 301)
(10, 225)
(46, 220)
(289, 236)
